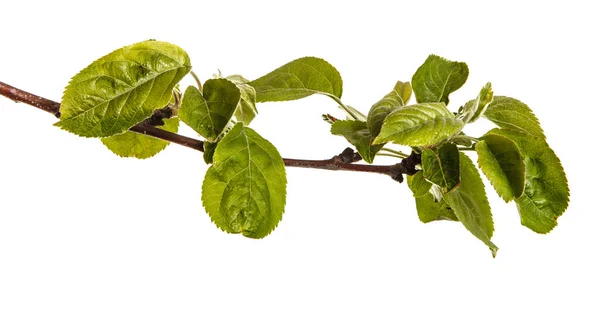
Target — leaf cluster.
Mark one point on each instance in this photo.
(244, 189)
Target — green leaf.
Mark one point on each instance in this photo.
(474, 108)
(246, 110)
(419, 125)
(358, 135)
(298, 79)
(546, 193)
(502, 163)
(470, 204)
(398, 97)
(122, 88)
(209, 151)
(510, 113)
(359, 115)
(441, 166)
(244, 190)
(209, 113)
(418, 185)
(427, 208)
(437, 78)
(130, 144)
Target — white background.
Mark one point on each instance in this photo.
(81, 229)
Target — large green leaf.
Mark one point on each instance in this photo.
(244, 190)
(470, 204)
(502, 163)
(474, 108)
(427, 209)
(419, 125)
(512, 114)
(546, 193)
(297, 79)
(358, 135)
(130, 144)
(437, 78)
(398, 97)
(246, 110)
(122, 88)
(441, 166)
(209, 113)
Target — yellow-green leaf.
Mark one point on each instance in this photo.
(122, 88)
(244, 190)
(419, 125)
(398, 97)
(437, 78)
(297, 79)
(546, 193)
(208, 113)
(470, 204)
(135, 145)
(502, 163)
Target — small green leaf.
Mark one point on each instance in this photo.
(474, 108)
(135, 145)
(441, 166)
(398, 97)
(510, 113)
(359, 115)
(209, 113)
(298, 79)
(358, 135)
(427, 208)
(418, 185)
(501, 162)
(246, 110)
(546, 193)
(419, 125)
(122, 88)
(470, 204)
(244, 190)
(437, 78)
(209, 151)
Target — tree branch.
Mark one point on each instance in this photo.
(341, 162)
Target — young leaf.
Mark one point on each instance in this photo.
(512, 114)
(358, 135)
(501, 162)
(209, 151)
(130, 144)
(246, 110)
(470, 204)
(474, 108)
(122, 88)
(244, 190)
(209, 113)
(546, 193)
(427, 208)
(398, 97)
(419, 125)
(418, 185)
(441, 166)
(297, 79)
(359, 115)
(437, 78)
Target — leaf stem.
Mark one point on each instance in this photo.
(198, 83)
(337, 163)
(339, 102)
(466, 137)
(398, 153)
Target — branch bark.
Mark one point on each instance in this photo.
(341, 162)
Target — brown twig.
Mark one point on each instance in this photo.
(341, 162)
